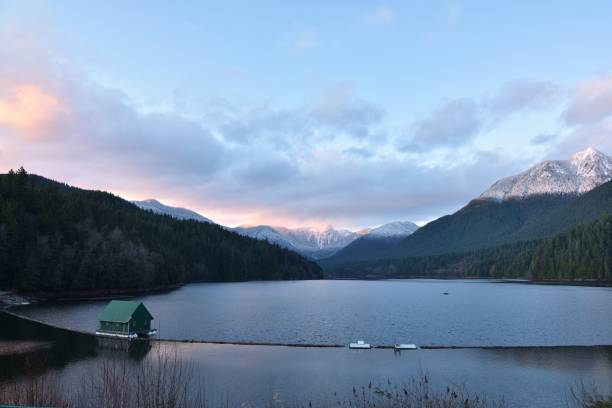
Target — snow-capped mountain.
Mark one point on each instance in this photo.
(320, 239)
(317, 244)
(310, 242)
(263, 232)
(583, 172)
(392, 230)
(176, 212)
(373, 240)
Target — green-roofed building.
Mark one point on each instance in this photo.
(125, 319)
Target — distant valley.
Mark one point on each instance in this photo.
(547, 199)
(311, 242)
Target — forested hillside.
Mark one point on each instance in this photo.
(582, 253)
(487, 223)
(57, 238)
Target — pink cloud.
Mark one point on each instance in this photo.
(30, 111)
(592, 101)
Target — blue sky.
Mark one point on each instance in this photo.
(301, 113)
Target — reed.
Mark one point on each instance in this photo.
(165, 380)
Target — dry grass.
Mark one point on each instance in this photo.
(584, 397)
(416, 394)
(39, 392)
(165, 381)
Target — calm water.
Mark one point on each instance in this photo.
(474, 313)
(258, 374)
(382, 312)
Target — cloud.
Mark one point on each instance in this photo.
(591, 101)
(383, 15)
(345, 189)
(326, 160)
(92, 126)
(29, 110)
(519, 95)
(451, 125)
(458, 121)
(339, 109)
(336, 113)
(543, 138)
(598, 135)
(269, 170)
(359, 152)
(588, 118)
(109, 144)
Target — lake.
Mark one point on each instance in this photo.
(474, 313)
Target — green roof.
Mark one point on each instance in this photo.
(121, 311)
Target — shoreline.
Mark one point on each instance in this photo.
(102, 294)
(582, 283)
(10, 298)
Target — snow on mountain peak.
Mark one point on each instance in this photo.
(176, 212)
(393, 229)
(584, 171)
(321, 243)
(587, 154)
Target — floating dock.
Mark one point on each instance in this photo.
(405, 346)
(360, 345)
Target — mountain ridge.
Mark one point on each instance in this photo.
(55, 238)
(319, 244)
(581, 173)
(311, 242)
(493, 219)
(180, 213)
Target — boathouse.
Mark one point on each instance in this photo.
(125, 319)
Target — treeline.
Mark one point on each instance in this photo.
(58, 238)
(582, 253)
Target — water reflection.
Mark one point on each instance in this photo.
(594, 359)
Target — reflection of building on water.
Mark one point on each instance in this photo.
(125, 320)
(136, 349)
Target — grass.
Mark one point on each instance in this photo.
(590, 398)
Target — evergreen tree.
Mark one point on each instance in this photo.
(55, 238)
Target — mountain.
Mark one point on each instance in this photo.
(534, 204)
(310, 242)
(318, 244)
(397, 229)
(583, 172)
(375, 240)
(582, 254)
(176, 212)
(265, 233)
(59, 239)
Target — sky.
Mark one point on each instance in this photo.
(313, 113)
